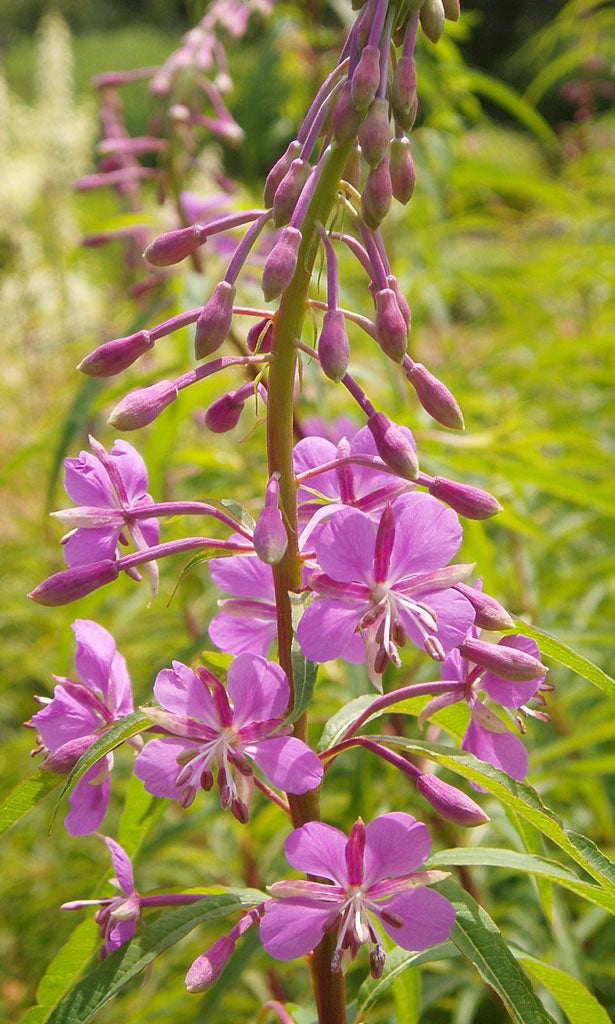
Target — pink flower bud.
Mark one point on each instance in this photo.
(174, 246)
(366, 77)
(377, 195)
(393, 446)
(436, 399)
(404, 308)
(63, 760)
(403, 174)
(281, 263)
(206, 969)
(143, 405)
(224, 414)
(452, 9)
(375, 132)
(450, 803)
(288, 191)
(352, 170)
(346, 118)
(403, 89)
(72, 584)
(115, 356)
(333, 345)
(214, 322)
(278, 171)
(507, 662)
(260, 335)
(489, 613)
(470, 502)
(391, 328)
(270, 537)
(432, 19)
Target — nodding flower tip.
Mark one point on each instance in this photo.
(393, 446)
(143, 405)
(174, 246)
(115, 356)
(72, 584)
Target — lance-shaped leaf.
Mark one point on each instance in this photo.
(25, 796)
(304, 672)
(577, 1002)
(564, 655)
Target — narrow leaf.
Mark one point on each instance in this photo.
(239, 512)
(564, 655)
(577, 1002)
(25, 796)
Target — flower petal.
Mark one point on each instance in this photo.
(243, 576)
(318, 849)
(327, 627)
(513, 695)
(87, 482)
(454, 666)
(94, 655)
(345, 546)
(455, 616)
(428, 535)
(258, 689)
(122, 703)
(88, 804)
(237, 635)
(157, 766)
(181, 691)
(428, 918)
(64, 719)
(121, 933)
(131, 468)
(150, 529)
(309, 453)
(85, 546)
(288, 763)
(501, 749)
(395, 844)
(122, 865)
(289, 930)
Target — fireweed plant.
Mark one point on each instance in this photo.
(352, 557)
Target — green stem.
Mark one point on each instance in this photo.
(329, 988)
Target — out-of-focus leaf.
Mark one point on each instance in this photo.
(26, 796)
(575, 999)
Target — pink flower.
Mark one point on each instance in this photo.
(118, 915)
(247, 623)
(372, 877)
(209, 729)
(382, 584)
(69, 723)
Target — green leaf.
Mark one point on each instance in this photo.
(577, 1002)
(202, 556)
(66, 966)
(336, 726)
(25, 796)
(109, 977)
(398, 961)
(239, 512)
(141, 810)
(407, 997)
(564, 655)
(107, 741)
(479, 939)
(304, 672)
(533, 842)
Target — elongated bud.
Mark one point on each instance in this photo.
(470, 502)
(489, 613)
(452, 9)
(506, 662)
(63, 760)
(377, 195)
(346, 117)
(403, 89)
(393, 446)
(115, 356)
(403, 174)
(366, 78)
(174, 246)
(278, 171)
(270, 538)
(143, 405)
(206, 969)
(450, 803)
(404, 308)
(352, 170)
(260, 336)
(354, 852)
(72, 584)
(215, 319)
(288, 191)
(437, 400)
(333, 345)
(375, 132)
(224, 414)
(281, 263)
(432, 19)
(391, 328)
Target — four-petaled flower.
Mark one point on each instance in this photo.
(118, 915)
(382, 584)
(207, 729)
(372, 877)
(69, 722)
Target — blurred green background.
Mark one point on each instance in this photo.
(507, 256)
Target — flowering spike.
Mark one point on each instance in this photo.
(214, 322)
(333, 345)
(436, 399)
(403, 174)
(489, 613)
(393, 446)
(451, 803)
(278, 171)
(506, 662)
(143, 405)
(366, 78)
(288, 191)
(375, 133)
(391, 327)
(174, 246)
(377, 195)
(432, 19)
(346, 117)
(72, 584)
(470, 502)
(115, 356)
(281, 263)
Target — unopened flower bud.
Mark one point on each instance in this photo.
(270, 537)
(489, 613)
(174, 246)
(260, 336)
(143, 405)
(374, 133)
(403, 89)
(224, 414)
(391, 328)
(377, 958)
(115, 356)
(288, 191)
(377, 195)
(352, 170)
(215, 319)
(72, 584)
(507, 662)
(63, 760)
(452, 9)
(432, 19)
(281, 263)
(366, 77)
(468, 501)
(333, 345)
(403, 174)
(346, 117)
(278, 171)
(393, 446)
(450, 803)
(436, 399)
(206, 969)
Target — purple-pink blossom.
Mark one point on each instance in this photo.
(118, 915)
(373, 882)
(247, 623)
(226, 728)
(69, 723)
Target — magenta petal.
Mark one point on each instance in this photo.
(395, 844)
(94, 655)
(455, 616)
(501, 749)
(345, 546)
(87, 482)
(85, 546)
(237, 635)
(122, 703)
(428, 918)
(326, 628)
(157, 766)
(367, 480)
(243, 576)
(309, 453)
(88, 804)
(150, 528)
(181, 691)
(454, 666)
(513, 695)
(288, 931)
(288, 763)
(428, 535)
(258, 690)
(64, 719)
(318, 849)
(131, 468)
(120, 933)
(122, 866)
